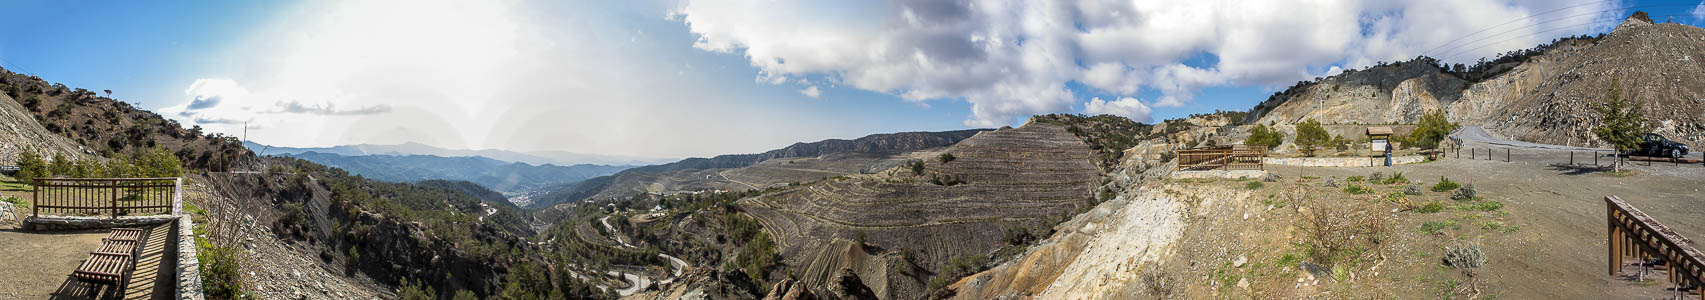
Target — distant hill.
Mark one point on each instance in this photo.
(559, 158)
(102, 126)
(890, 143)
(490, 173)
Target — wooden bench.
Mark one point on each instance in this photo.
(113, 261)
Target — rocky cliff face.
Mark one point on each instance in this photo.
(1400, 93)
(20, 131)
(1660, 68)
(1547, 97)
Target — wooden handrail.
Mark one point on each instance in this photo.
(1633, 233)
(118, 196)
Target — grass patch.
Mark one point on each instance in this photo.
(1430, 207)
(1354, 189)
(1487, 205)
(1357, 178)
(1437, 226)
(1253, 185)
(1491, 225)
(15, 186)
(18, 204)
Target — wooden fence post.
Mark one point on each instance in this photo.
(112, 186)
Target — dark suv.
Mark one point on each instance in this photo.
(1656, 145)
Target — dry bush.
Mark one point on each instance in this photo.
(1339, 231)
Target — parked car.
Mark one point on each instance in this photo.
(1656, 145)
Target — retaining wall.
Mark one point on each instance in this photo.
(1343, 161)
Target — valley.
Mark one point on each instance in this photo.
(1061, 206)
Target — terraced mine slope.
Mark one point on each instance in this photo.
(915, 220)
(832, 157)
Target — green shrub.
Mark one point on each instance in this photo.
(1437, 226)
(1412, 190)
(1354, 189)
(1357, 178)
(1253, 185)
(1444, 185)
(1466, 193)
(1464, 256)
(220, 267)
(413, 290)
(946, 157)
(1396, 178)
(1376, 178)
(917, 167)
(1262, 135)
(1430, 207)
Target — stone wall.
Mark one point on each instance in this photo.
(46, 222)
(1343, 161)
(189, 269)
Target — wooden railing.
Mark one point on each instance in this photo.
(110, 196)
(1236, 157)
(1633, 234)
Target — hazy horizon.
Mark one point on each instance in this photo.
(685, 78)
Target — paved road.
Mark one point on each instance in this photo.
(1477, 134)
(617, 234)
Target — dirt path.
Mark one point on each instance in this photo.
(38, 262)
(1559, 251)
(1479, 135)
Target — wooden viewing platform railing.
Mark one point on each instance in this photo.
(1235, 157)
(113, 196)
(1634, 234)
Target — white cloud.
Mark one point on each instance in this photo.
(1698, 11)
(547, 75)
(812, 92)
(1125, 107)
(1014, 58)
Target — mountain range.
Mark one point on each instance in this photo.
(560, 158)
(490, 173)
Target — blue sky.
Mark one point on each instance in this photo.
(667, 78)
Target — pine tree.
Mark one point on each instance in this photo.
(1434, 127)
(30, 166)
(1310, 136)
(1620, 123)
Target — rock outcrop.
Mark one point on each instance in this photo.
(1547, 97)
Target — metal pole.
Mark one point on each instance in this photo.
(1506, 154)
(1571, 158)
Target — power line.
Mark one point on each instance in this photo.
(1512, 21)
(1450, 51)
(1537, 33)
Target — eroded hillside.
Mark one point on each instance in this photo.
(822, 159)
(920, 218)
(1545, 94)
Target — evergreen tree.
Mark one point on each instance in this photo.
(1310, 136)
(60, 166)
(1620, 123)
(30, 166)
(1434, 127)
(1262, 135)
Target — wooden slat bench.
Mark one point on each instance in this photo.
(112, 262)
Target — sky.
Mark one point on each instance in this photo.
(680, 78)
